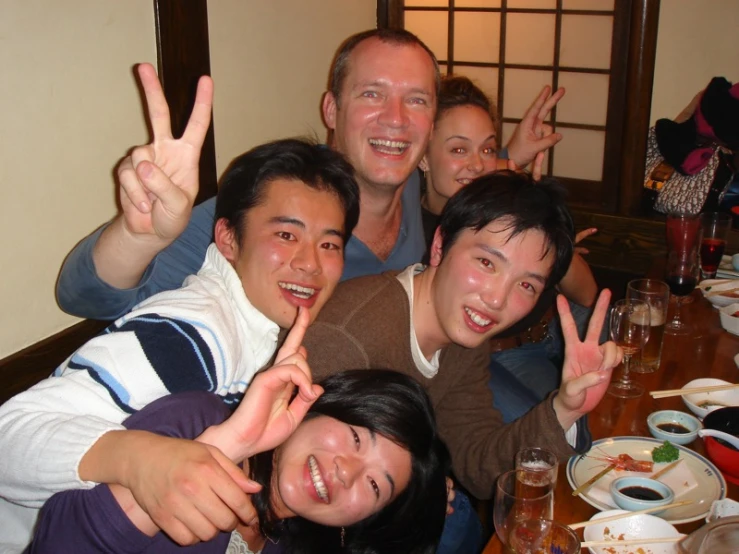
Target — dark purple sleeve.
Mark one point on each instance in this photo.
(91, 521)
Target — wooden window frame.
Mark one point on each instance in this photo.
(635, 31)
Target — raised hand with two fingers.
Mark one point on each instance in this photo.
(587, 366)
(159, 181)
(532, 137)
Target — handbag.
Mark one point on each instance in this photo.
(678, 193)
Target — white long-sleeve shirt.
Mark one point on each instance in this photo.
(203, 336)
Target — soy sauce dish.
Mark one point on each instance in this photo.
(639, 493)
(674, 426)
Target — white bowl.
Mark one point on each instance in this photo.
(719, 300)
(642, 526)
(729, 321)
(723, 398)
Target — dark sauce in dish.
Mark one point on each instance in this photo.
(673, 428)
(641, 493)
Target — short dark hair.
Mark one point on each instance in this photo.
(521, 201)
(457, 90)
(244, 182)
(399, 37)
(395, 406)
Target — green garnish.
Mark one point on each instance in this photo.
(665, 453)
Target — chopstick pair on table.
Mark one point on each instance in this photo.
(694, 390)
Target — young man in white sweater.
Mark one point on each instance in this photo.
(283, 214)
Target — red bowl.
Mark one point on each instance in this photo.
(725, 457)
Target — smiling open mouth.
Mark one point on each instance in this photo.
(395, 147)
(318, 483)
(297, 290)
(477, 318)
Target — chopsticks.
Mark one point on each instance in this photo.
(629, 514)
(587, 484)
(720, 292)
(630, 542)
(716, 283)
(694, 390)
(665, 469)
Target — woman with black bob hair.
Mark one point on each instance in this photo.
(315, 484)
(396, 407)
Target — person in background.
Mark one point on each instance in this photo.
(526, 359)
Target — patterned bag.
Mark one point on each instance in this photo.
(678, 193)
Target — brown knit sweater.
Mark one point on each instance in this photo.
(366, 324)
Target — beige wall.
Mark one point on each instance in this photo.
(698, 40)
(71, 109)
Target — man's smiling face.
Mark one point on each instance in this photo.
(384, 116)
(291, 251)
(486, 281)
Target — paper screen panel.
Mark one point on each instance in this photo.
(432, 28)
(586, 100)
(486, 78)
(533, 4)
(477, 4)
(530, 38)
(579, 154)
(426, 4)
(476, 37)
(521, 87)
(586, 41)
(596, 5)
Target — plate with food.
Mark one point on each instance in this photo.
(720, 292)
(694, 478)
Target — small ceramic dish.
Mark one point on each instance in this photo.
(671, 425)
(702, 403)
(642, 526)
(709, 290)
(639, 493)
(723, 508)
(730, 318)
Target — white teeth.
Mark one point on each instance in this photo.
(318, 483)
(477, 318)
(464, 182)
(301, 292)
(389, 146)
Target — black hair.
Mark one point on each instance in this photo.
(244, 182)
(398, 37)
(395, 406)
(456, 91)
(522, 202)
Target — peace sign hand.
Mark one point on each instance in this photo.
(588, 366)
(159, 181)
(266, 417)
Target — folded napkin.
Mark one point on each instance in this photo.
(680, 479)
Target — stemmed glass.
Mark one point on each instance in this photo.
(521, 495)
(630, 330)
(683, 269)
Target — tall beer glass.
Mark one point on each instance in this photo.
(656, 293)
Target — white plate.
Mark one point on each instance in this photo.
(726, 269)
(720, 300)
(634, 527)
(710, 483)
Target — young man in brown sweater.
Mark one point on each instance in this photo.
(501, 241)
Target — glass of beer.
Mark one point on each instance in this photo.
(715, 231)
(538, 460)
(656, 294)
(521, 495)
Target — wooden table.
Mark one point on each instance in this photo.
(708, 352)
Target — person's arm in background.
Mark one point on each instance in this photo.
(578, 284)
(158, 186)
